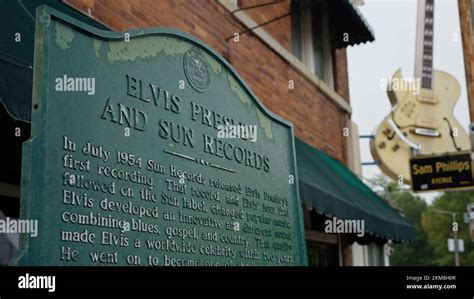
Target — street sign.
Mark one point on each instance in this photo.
(468, 217)
(451, 171)
(451, 245)
(148, 149)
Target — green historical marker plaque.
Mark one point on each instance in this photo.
(132, 160)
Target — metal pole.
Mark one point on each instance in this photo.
(456, 245)
(455, 234)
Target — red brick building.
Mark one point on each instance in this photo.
(292, 53)
(309, 106)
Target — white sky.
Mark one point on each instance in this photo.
(394, 25)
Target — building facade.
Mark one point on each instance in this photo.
(293, 54)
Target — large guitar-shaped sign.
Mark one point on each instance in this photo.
(421, 121)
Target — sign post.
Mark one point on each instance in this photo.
(454, 243)
(148, 149)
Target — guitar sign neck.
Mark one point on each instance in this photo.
(424, 43)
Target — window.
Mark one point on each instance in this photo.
(375, 254)
(321, 254)
(310, 37)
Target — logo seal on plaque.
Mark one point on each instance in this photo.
(196, 70)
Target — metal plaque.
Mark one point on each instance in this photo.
(148, 149)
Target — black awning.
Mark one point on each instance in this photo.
(348, 26)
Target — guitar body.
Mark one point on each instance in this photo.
(425, 117)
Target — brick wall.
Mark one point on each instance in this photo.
(341, 78)
(317, 120)
(280, 29)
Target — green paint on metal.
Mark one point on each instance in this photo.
(265, 124)
(142, 48)
(237, 90)
(125, 167)
(97, 46)
(264, 121)
(213, 63)
(63, 36)
(44, 18)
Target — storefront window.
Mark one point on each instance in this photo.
(320, 254)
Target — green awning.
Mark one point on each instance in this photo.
(17, 34)
(330, 188)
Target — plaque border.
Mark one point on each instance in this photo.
(31, 182)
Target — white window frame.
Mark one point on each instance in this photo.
(307, 37)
